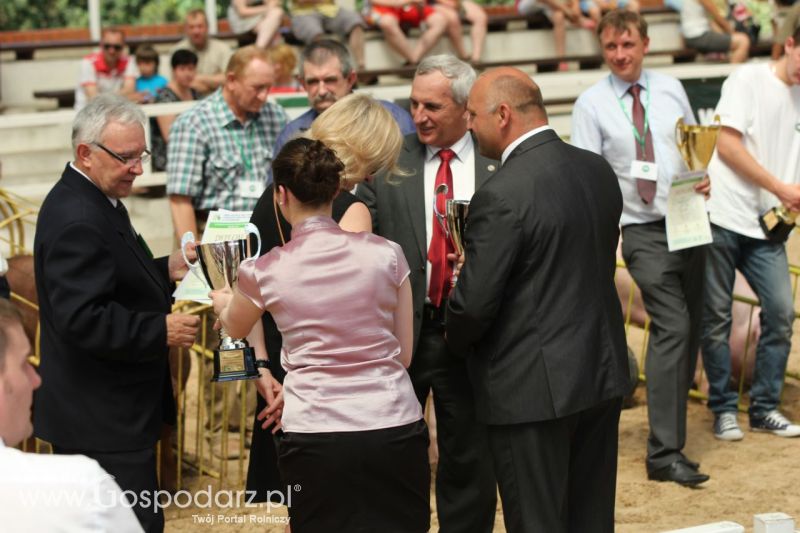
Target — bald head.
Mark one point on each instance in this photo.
(516, 89)
(503, 105)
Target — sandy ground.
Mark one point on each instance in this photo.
(757, 475)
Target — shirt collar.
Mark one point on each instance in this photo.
(510, 148)
(79, 171)
(461, 147)
(621, 86)
(312, 223)
(224, 113)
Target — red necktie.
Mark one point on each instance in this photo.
(646, 188)
(441, 269)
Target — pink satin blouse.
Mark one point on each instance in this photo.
(333, 295)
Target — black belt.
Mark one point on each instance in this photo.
(661, 223)
(434, 316)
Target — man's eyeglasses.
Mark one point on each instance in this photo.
(143, 158)
(109, 46)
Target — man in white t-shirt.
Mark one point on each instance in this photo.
(755, 168)
(108, 70)
(46, 492)
(696, 18)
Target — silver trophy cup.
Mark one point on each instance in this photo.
(453, 220)
(218, 266)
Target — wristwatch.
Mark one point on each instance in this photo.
(262, 363)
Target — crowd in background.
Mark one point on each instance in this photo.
(354, 292)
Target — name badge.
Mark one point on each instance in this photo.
(645, 170)
(251, 189)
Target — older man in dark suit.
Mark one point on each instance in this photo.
(440, 152)
(536, 313)
(105, 308)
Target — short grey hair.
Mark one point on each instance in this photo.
(91, 121)
(460, 74)
(320, 52)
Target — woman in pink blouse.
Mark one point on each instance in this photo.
(355, 444)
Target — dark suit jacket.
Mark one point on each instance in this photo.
(535, 308)
(103, 302)
(398, 212)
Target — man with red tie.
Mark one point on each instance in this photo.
(441, 152)
(629, 118)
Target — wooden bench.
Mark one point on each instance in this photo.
(499, 19)
(25, 50)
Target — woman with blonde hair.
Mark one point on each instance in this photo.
(336, 306)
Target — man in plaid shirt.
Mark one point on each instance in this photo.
(219, 152)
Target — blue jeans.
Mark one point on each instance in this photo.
(766, 269)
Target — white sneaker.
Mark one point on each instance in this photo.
(726, 427)
(774, 422)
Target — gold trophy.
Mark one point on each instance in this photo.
(453, 220)
(696, 143)
(777, 223)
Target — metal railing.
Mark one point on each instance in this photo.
(752, 303)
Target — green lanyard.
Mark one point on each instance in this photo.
(246, 161)
(641, 138)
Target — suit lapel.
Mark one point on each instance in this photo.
(484, 168)
(146, 261)
(116, 221)
(414, 190)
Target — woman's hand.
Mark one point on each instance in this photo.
(267, 386)
(273, 412)
(220, 299)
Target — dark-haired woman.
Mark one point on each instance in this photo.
(365, 137)
(354, 440)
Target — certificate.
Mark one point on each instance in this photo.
(225, 225)
(221, 226)
(687, 220)
(192, 288)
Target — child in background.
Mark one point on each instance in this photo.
(284, 61)
(149, 81)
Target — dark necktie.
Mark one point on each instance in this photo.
(124, 212)
(441, 269)
(646, 188)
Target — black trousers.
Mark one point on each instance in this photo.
(466, 491)
(672, 291)
(358, 481)
(559, 476)
(133, 471)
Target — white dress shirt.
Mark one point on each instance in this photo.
(600, 125)
(55, 493)
(463, 168)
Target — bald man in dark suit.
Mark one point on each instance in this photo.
(537, 316)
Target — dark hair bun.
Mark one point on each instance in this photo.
(309, 169)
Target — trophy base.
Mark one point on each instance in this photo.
(775, 228)
(233, 364)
